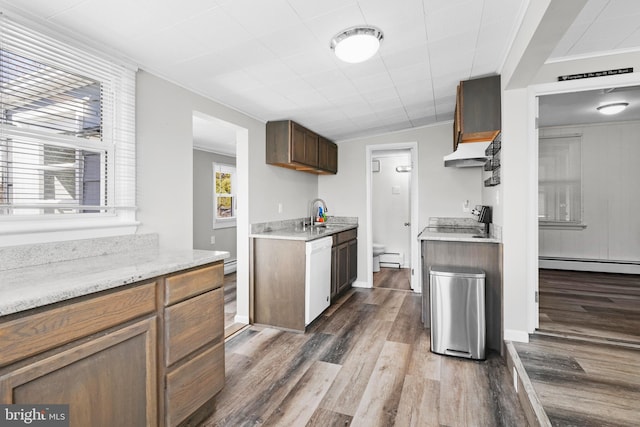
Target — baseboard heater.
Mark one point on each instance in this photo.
(230, 266)
(599, 265)
(394, 259)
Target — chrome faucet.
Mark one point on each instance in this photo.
(312, 212)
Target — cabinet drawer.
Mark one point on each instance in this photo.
(194, 383)
(345, 236)
(184, 285)
(192, 324)
(33, 334)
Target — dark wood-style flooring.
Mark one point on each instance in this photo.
(594, 305)
(584, 362)
(365, 361)
(392, 278)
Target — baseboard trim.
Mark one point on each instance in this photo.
(230, 266)
(516, 335)
(361, 284)
(241, 319)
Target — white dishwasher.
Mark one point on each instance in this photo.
(317, 283)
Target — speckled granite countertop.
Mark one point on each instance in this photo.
(23, 288)
(293, 230)
(459, 230)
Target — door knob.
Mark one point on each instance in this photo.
(406, 224)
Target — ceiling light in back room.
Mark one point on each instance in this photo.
(357, 44)
(612, 108)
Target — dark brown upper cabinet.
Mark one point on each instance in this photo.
(478, 112)
(293, 146)
(327, 156)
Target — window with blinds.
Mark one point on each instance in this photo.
(66, 127)
(560, 180)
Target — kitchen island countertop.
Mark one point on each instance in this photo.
(38, 285)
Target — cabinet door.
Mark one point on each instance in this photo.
(334, 272)
(311, 148)
(343, 266)
(297, 143)
(480, 109)
(353, 261)
(193, 323)
(106, 381)
(304, 146)
(193, 383)
(327, 155)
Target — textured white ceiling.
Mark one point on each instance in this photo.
(271, 58)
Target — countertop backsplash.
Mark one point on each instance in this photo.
(46, 253)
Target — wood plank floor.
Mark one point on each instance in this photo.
(582, 383)
(595, 305)
(584, 361)
(364, 362)
(392, 278)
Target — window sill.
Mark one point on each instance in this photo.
(20, 231)
(551, 225)
(230, 223)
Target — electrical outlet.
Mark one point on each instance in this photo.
(213, 240)
(279, 207)
(465, 207)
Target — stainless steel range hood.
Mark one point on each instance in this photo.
(468, 154)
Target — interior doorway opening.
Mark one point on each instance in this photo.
(587, 268)
(220, 200)
(392, 211)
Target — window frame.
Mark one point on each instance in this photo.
(572, 142)
(221, 222)
(117, 80)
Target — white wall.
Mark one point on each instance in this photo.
(442, 190)
(610, 153)
(390, 205)
(164, 114)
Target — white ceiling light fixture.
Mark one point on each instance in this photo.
(612, 108)
(357, 44)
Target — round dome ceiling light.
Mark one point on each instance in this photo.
(357, 44)
(613, 108)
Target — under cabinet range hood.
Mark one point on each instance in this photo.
(468, 154)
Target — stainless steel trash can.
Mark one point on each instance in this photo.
(457, 311)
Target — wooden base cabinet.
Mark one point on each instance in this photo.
(344, 261)
(278, 281)
(149, 354)
(193, 341)
(107, 379)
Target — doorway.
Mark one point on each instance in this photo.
(587, 267)
(392, 211)
(220, 191)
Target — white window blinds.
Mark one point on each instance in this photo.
(67, 127)
(560, 180)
